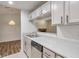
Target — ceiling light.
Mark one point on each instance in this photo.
(10, 2)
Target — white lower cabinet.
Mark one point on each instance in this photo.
(50, 54)
(47, 53)
(27, 46)
(32, 52)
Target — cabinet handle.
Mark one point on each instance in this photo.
(67, 20)
(61, 19)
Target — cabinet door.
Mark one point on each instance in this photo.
(36, 13)
(33, 15)
(28, 47)
(74, 11)
(29, 50)
(47, 53)
(45, 8)
(57, 9)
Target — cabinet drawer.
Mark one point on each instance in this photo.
(58, 56)
(44, 56)
(48, 53)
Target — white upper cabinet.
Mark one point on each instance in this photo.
(35, 13)
(41, 11)
(73, 11)
(61, 12)
(45, 8)
(38, 12)
(57, 9)
(65, 12)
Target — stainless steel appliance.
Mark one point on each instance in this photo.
(37, 50)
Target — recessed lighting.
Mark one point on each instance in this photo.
(10, 2)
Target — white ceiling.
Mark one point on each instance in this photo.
(25, 5)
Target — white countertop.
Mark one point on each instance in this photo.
(65, 48)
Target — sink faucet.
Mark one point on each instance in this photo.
(33, 33)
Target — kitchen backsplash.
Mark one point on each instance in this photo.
(45, 26)
(68, 31)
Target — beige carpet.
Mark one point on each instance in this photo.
(8, 48)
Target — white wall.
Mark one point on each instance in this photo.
(26, 26)
(7, 32)
(68, 31)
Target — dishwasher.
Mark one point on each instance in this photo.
(37, 50)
